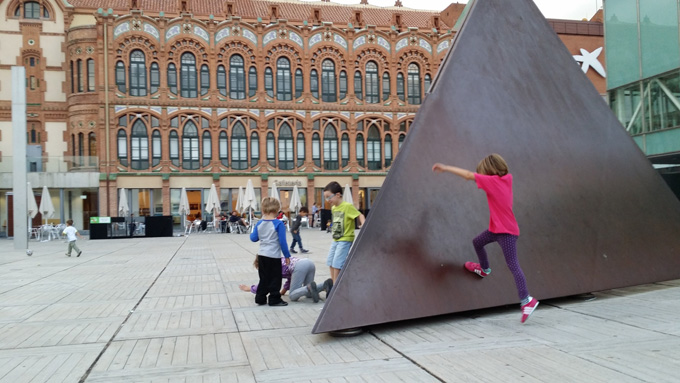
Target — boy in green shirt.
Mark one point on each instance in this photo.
(344, 214)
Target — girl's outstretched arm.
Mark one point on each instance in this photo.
(466, 174)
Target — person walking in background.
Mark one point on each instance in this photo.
(494, 178)
(271, 233)
(71, 234)
(315, 211)
(295, 230)
(299, 275)
(344, 214)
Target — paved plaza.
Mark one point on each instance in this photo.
(170, 310)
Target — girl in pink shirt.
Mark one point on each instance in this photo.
(493, 177)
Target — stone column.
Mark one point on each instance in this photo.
(19, 188)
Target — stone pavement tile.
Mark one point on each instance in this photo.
(256, 318)
(177, 322)
(61, 332)
(47, 364)
(173, 357)
(295, 355)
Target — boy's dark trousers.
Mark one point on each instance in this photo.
(269, 270)
(296, 239)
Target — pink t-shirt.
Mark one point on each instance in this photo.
(499, 195)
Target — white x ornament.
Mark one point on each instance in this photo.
(589, 59)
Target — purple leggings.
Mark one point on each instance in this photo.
(508, 243)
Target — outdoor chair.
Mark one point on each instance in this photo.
(34, 232)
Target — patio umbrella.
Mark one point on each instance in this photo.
(249, 200)
(274, 191)
(184, 209)
(46, 207)
(239, 200)
(123, 207)
(32, 212)
(295, 203)
(347, 195)
(212, 205)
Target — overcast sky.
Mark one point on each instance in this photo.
(553, 9)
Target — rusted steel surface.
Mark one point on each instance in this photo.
(592, 211)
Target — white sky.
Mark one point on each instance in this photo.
(553, 9)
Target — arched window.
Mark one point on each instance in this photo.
(188, 85)
(252, 81)
(224, 148)
(269, 82)
(285, 147)
(373, 149)
(222, 80)
(137, 73)
(300, 149)
(90, 75)
(344, 149)
(173, 147)
(122, 147)
(156, 147)
(314, 83)
(81, 149)
(428, 83)
(400, 86)
(92, 148)
(360, 149)
(413, 82)
(207, 148)
(299, 83)
(237, 78)
(271, 149)
(401, 140)
(284, 84)
(358, 86)
(239, 146)
(172, 78)
(205, 80)
(32, 10)
(330, 148)
(154, 77)
(254, 149)
(386, 86)
(343, 84)
(388, 150)
(372, 83)
(139, 146)
(79, 76)
(316, 149)
(328, 81)
(190, 146)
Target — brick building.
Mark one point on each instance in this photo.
(156, 95)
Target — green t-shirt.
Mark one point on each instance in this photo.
(343, 221)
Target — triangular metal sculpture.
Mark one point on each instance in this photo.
(592, 211)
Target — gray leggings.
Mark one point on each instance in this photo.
(72, 246)
(302, 276)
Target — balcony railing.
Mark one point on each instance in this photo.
(63, 164)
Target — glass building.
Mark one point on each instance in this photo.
(643, 62)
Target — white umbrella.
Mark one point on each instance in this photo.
(32, 212)
(249, 200)
(212, 205)
(274, 191)
(123, 207)
(32, 205)
(184, 208)
(347, 195)
(239, 200)
(295, 203)
(46, 206)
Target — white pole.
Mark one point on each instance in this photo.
(19, 154)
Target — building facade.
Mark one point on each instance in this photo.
(150, 97)
(643, 53)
